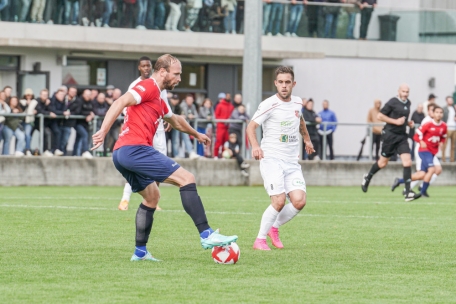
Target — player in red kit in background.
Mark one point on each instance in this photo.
(429, 136)
(223, 110)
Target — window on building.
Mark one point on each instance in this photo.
(9, 62)
(268, 78)
(193, 77)
(85, 72)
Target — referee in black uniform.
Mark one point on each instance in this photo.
(394, 139)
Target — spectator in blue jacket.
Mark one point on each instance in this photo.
(327, 116)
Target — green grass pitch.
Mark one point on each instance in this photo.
(71, 244)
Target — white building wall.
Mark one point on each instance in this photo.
(351, 85)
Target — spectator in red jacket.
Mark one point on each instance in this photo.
(223, 111)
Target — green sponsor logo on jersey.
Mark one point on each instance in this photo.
(283, 138)
(286, 123)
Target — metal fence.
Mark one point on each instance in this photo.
(93, 128)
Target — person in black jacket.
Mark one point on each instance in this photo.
(81, 145)
(417, 118)
(73, 106)
(58, 106)
(100, 108)
(312, 119)
(51, 128)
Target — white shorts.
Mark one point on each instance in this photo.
(159, 143)
(281, 177)
(418, 159)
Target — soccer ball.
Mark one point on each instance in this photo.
(226, 154)
(227, 254)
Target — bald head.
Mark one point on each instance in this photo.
(403, 92)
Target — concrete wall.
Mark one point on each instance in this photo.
(72, 171)
(351, 85)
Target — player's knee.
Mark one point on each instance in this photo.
(438, 170)
(188, 178)
(300, 204)
(407, 163)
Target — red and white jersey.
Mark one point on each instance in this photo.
(432, 134)
(141, 120)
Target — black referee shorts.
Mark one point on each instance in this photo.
(393, 144)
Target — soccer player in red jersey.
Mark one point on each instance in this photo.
(429, 136)
(143, 166)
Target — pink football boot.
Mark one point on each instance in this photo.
(260, 244)
(274, 235)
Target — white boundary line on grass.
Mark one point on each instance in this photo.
(223, 212)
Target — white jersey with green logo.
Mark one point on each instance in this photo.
(280, 121)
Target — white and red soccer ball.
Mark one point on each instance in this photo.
(227, 254)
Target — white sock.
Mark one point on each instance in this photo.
(433, 178)
(269, 217)
(414, 183)
(127, 192)
(288, 212)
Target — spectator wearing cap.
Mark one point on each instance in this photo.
(222, 111)
(28, 104)
(431, 99)
(220, 97)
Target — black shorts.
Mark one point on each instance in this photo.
(393, 144)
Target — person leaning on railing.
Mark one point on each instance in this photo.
(81, 144)
(28, 104)
(312, 119)
(4, 109)
(58, 106)
(205, 112)
(44, 107)
(13, 127)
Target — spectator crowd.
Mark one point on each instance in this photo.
(221, 16)
(223, 120)
(67, 112)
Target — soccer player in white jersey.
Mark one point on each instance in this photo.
(159, 142)
(281, 120)
(418, 160)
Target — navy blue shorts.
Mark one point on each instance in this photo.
(143, 165)
(427, 160)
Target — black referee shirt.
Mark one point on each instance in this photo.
(395, 109)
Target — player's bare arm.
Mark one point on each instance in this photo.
(398, 122)
(114, 111)
(257, 153)
(305, 136)
(179, 123)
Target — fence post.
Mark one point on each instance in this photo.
(324, 140)
(371, 140)
(41, 133)
(195, 142)
(243, 141)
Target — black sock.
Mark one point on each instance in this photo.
(194, 207)
(375, 168)
(407, 178)
(144, 220)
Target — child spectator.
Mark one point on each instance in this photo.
(13, 127)
(231, 150)
(223, 110)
